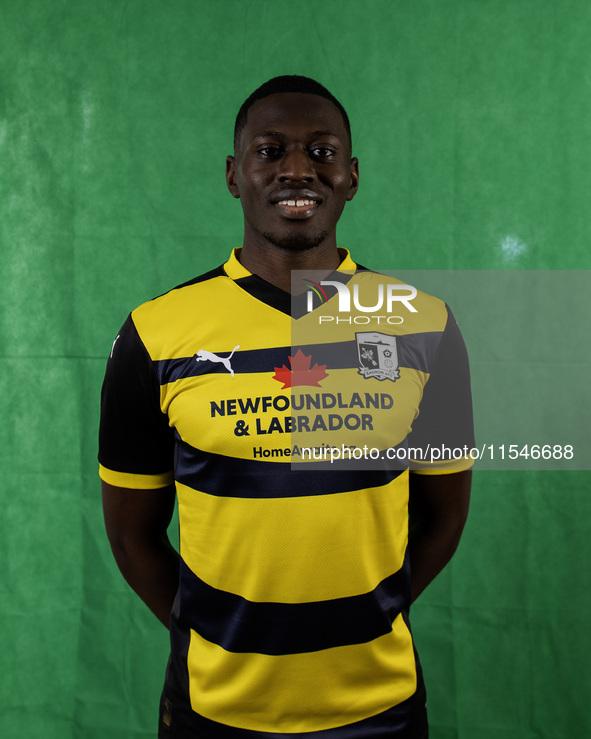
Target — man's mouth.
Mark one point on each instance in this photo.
(297, 207)
(297, 203)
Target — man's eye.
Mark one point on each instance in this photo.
(269, 151)
(322, 152)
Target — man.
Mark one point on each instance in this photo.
(291, 616)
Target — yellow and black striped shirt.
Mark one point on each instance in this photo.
(291, 616)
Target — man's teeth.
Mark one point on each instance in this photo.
(298, 203)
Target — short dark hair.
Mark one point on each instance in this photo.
(286, 83)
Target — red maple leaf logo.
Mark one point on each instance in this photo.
(300, 372)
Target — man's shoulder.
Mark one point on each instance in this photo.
(179, 313)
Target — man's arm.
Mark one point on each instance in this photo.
(438, 508)
(136, 523)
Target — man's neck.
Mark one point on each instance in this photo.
(276, 265)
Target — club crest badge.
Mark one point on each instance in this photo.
(378, 356)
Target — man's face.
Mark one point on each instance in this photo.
(292, 171)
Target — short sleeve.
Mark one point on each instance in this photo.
(136, 443)
(444, 429)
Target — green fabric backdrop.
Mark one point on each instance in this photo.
(472, 123)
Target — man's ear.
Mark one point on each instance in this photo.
(354, 178)
(231, 176)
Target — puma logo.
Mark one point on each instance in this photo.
(204, 356)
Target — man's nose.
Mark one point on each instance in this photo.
(296, 165)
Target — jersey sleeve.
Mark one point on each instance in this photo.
(136, 443)
(443, 433)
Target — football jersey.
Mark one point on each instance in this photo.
(294, 591)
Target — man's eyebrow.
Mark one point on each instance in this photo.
(325, 133)
(267, 134)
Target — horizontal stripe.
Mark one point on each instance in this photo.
(415, 351)
(217, 474)
(133, 480)
(323, 546)
(400, 719)
(243, 362)
(309, 691)
(239, 625)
